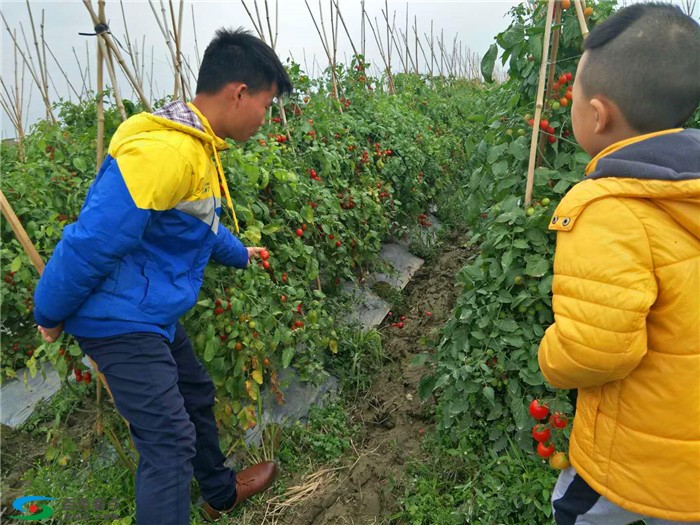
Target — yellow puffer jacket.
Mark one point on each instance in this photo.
(626, 301)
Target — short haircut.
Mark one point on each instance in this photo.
(646, 59)
(238, 56)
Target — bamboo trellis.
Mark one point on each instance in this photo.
(540, 90)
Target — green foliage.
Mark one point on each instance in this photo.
(353, 172)
(324, 438)
(459, 482)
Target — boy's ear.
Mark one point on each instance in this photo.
(236, 90)
(603, 114)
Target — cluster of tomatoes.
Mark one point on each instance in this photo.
(542, 433)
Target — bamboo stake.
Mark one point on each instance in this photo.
(408, 53)
(82, 75)
(60, 68)
(260, 24)
(100, 96)
(388, 41)
(378, 40)
(42, 75)
(441, 45)
(150, 78)
(415, 31)
(258, 29)
(87, 65)
(43, 49)
(141, 77)
(13, 107)
(178, 57)
(38, 264)
(185, 78)
(362, 7)
(18, 109)
(269, 25)
(324, 42)
(277, 22)
(129, 49)
(390, 31)
(163, 26)
(431, 48)
(28, 63)
(414, 65)
(538, 110)
(117, 54)
(196, 44)
(550, 76)
(334, 32)
(21, 234)
(107, 57)
(331, 56)
(581, 18)
(433, 58)
(342, 20)
(425, 57)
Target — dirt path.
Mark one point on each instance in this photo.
(391, 415)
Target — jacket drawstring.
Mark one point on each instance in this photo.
(222, 182)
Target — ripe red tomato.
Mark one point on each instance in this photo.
(300, 232)
(541, 433)
(537, 410)
(266, 265)
(264, 255)
(544, 450)
(559, 420)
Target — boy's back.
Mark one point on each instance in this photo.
(626, 290)
(627, 333)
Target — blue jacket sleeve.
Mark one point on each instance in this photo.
(228, 250)
(109, 226)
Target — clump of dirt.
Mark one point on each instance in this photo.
(391, 413)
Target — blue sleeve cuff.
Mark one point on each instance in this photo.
(44, 321)
(229, 250)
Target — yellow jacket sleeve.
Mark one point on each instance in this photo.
(603, 288)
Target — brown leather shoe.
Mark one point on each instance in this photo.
(249, 482)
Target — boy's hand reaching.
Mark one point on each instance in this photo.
(254, 252)
(51, 334)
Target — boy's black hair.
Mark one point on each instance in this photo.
(238, 56)
(646, 59)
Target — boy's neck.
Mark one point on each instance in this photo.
(619, 134)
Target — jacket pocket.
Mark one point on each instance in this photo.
(166, 297)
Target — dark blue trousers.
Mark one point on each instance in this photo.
(166, 395)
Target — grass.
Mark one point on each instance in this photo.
(468, 483)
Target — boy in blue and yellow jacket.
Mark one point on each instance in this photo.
(133, 264)
(626, 289)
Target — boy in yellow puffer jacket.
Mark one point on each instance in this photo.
(626, 290)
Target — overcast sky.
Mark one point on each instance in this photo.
(474, 22)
